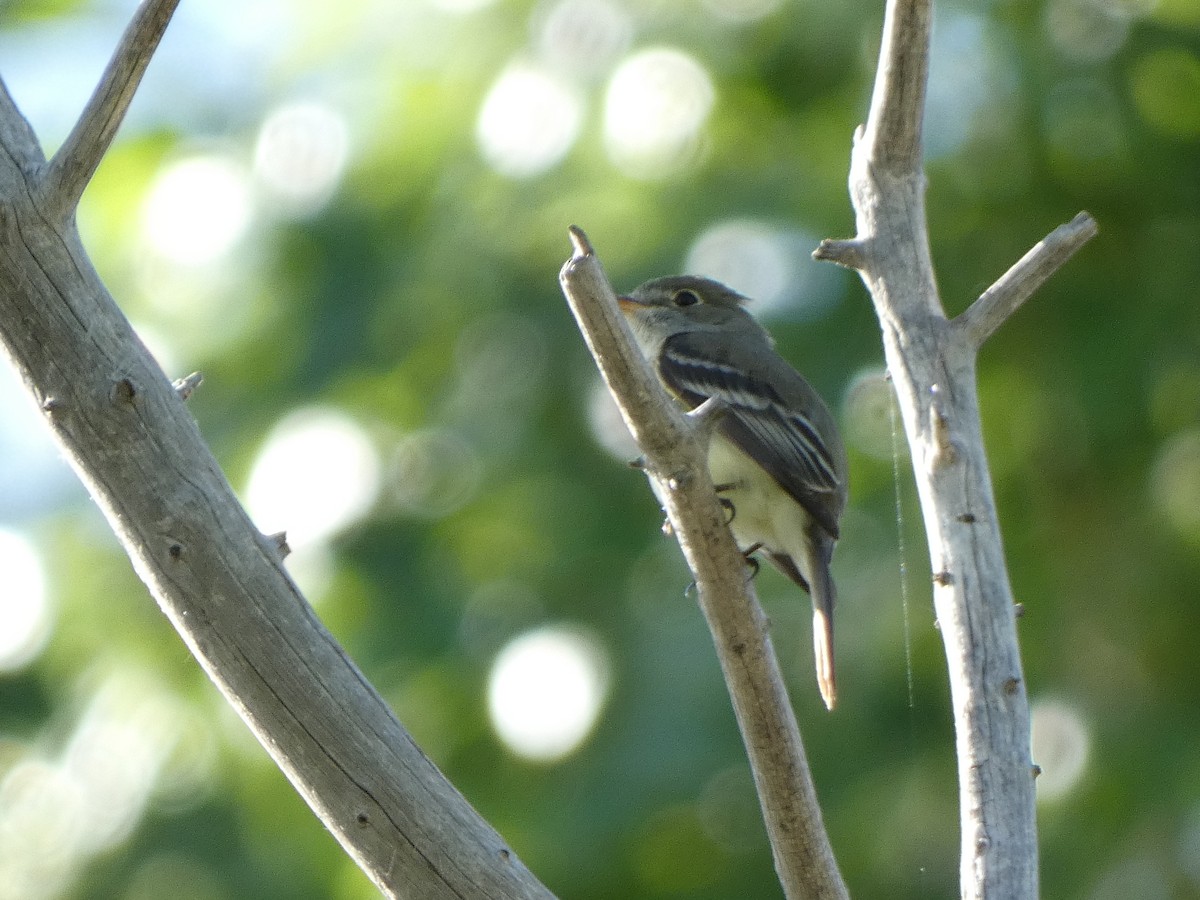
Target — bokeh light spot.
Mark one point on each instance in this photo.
(657, 104)
(41, 829)
(742, 11)
(1061, 741)
(301, 154)
(316, 474)
(607, 426)
(545, 691)
(868, 413)
(115, 755)
(1175, 483)
(197, 209)
(432, 473)
(772, 266)
(970, 77)
(34, 476)
(584, 36)
(1087, 31)
(1166, 88)
(56, 814)
(528, 122)
(25, 617)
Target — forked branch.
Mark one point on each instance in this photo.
(932, 364)
(72, 167)
(126, 431)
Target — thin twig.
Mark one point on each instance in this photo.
(76, 161)
(675, 454)
(981, 320)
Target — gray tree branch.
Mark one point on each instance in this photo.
(16, 135)
(72, 167)
(932, 364)
(124, 428)
(982, 318)
(675, 448)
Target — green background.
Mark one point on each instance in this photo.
(419, 298)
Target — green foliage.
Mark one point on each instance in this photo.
(415, 294)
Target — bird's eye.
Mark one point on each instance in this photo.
(685, 298)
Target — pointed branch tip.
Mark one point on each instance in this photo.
(580, 242)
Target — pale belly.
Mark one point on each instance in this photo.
(763, 512)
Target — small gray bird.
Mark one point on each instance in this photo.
(776, 455)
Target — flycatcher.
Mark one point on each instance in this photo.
(776, 455)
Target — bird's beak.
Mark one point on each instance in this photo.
(627, 304)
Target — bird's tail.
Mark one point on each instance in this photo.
(824, 596)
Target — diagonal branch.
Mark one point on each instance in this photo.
(982, 319)
(76, 161)
(675, 449)
(16, 135)
(125, 430)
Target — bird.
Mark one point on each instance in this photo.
(776, 456)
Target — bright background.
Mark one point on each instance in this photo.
(351, 218)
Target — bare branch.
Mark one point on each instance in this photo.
(932, 365)
(892, 138)
(676, 454)
(16, 136)
(124, 428)
(985, 316)
(77, 159)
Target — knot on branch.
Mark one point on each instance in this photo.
(124, 391)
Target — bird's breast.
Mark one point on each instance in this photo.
(763, 512)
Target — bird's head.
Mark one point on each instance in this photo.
(664, 307)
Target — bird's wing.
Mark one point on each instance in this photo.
(780, 435)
